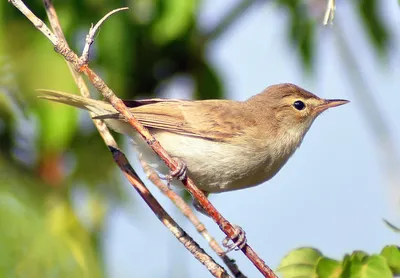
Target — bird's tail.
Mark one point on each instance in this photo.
(98, 107)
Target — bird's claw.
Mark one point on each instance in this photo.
(179, 173)
(241, 240)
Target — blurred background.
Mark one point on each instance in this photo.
(65, 208)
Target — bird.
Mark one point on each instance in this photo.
(226, 145)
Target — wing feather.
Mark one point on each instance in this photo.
(208, 119)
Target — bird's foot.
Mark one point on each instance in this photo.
(240, 237)
(179, 173)
(239, 234)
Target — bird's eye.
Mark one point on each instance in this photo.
(299, 105)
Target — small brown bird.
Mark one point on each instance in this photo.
(226, 145)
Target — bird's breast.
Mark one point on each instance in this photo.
(217, 166)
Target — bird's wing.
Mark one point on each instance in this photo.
(208, 119)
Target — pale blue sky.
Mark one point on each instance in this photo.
(334, 191)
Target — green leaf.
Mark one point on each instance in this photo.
(86, 169)
(392, 255)
(58, 123)
(369, 267)
(209, 85)
(115, 55)
(374, 24)
(40, 234)
(301, 30)
(176, 18)
(358, 255)
(329, 268)
(300, 262)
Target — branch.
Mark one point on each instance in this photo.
(92, 32)
(329, 12)
(117, 103)
(188, 212)
(55, 24)
(123, 163)
(215, 269)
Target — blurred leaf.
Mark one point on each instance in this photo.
(7, 122)
(58, 124)
(209, 85)
(369, 267)
(40, 235)
(392, 255)
(143, 10)
(358, 255)
(328, 268)
(94, 164)
(37, 66)
(302, 36)
(391, 226)
(176, 18)
(113, 54)
(301, 262)
(301, 30)
(374, 25)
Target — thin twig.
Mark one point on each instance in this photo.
(39, 24)
(92, 32)
(188, 212)
(178, 232)
(56, 26)
(124, 165)
(329, 12)
(117, 103)
(110, 141)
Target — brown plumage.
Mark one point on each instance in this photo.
(226, 144)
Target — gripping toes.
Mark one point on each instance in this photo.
(181, 170)
(179, 173)
(240, 236)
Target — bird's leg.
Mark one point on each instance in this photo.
(181, 170)
(239, 235)
(179, 173)
(241, 240)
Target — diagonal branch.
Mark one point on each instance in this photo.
(124, 165)
(215, 269)
(92, 32)
(329, 12)
(188, 212)
(56, 26)
(117, 103)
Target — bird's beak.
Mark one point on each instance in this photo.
(329, 103)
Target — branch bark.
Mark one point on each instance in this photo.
(80, 65)
(190, 215)
(118, 156)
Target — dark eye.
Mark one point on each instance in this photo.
(299, 105)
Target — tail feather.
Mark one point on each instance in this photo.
(98, 107)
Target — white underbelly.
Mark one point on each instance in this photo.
(214, 166)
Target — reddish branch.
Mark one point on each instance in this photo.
(81, 66)
(188, 212)
(164, 217)
(117, 103)
(118, 156)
